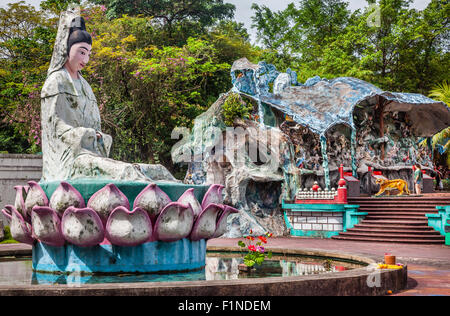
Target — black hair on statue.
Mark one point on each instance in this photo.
(78, 34)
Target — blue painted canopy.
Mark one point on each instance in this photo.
(322, 103)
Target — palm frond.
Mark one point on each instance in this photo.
(441, 92)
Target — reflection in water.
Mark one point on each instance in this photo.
(218, 267)
(15, 272)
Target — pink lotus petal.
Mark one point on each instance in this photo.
(205, 225)
(35, 197)
(188, 197)
(47, 226)
(64, 196)
(221, 226)
(82, 227)
(7, 212)
(152, 199)
(20, 230)
(213, 195)
(128, 228)
(19, 203)
(106, 200)
(174, 223)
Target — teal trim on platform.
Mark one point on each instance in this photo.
(87, 187)
(350, 215)
(316, 207)
(157, 256)
(440, 220)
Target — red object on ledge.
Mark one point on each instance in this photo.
(342, 187)
(315, 187)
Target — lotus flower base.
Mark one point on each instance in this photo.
(99, 226)
(156, 256)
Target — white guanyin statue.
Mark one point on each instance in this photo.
(73, 144)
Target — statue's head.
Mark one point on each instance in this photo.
(79, 45)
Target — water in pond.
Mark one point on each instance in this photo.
(218, 266)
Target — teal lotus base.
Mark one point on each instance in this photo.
(87, 187)
(151, 257)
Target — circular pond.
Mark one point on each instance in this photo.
(290, 272)
(218, 266)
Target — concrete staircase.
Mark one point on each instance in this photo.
(396, 219)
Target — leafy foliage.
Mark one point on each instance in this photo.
(167, 61)
(234, 107)
(256, 251)
(145, 91)
(145, 86)
(172, 14)
(406, 51)
(26, 39)
(441, 92)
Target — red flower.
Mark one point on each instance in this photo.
(252, 248)
(263, 239)
(250, 238)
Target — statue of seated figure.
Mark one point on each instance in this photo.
(73, 143)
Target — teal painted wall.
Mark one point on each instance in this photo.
(440, 220)
(350, 216)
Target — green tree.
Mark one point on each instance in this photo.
(297, 36)
(441, 92)
(56, 6)
(26, 40)
(407, 50)
(145, 91)
(170, 13)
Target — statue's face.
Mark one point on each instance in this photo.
(79, 56)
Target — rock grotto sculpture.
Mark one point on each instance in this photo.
(318, 125)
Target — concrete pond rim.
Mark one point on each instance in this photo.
(364, 281)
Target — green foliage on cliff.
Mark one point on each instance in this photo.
(234, 107)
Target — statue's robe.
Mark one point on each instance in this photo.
(70, 121)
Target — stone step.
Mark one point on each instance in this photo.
(383, 230)
(384, 212)
(396, 222)
(390, 240)
(395, 217)
(396, 236)
(397, 206)
(393, 204)
(383, 226)
(403, 198)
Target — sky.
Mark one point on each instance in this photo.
(244, 12)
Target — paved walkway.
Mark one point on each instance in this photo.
(428, 265)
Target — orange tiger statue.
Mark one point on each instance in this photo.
(388, 185)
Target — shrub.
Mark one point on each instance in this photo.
(234, 107)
